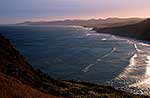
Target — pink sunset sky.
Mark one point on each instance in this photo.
(12, 11)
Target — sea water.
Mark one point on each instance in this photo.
(77, 53)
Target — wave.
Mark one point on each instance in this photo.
(137, 49)
(106, 55)
(91, 34)
(87, 67)
(135, 78)
(144, 44)
(132, 64)
(129, 69)
(99, 59)
(104, 39)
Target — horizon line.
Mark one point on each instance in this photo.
(63, 19)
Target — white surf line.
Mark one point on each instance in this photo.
(144, 44)
(137, 49)
(135, 46)
(145, 82)
(147, 73)
(132, 63)
(108, 54)
(87, 68)
(104, 39)
(98, 60)
(128, 69)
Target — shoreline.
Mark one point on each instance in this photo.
(129, 38)
(62, 87)
(134, 41)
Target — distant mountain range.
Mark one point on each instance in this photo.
(99, 23)
(139, 30)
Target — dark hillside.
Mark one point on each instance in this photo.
(139, 31)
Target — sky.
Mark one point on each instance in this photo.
(12, 11)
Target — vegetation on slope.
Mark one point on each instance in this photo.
(139, 30)
(13, 88)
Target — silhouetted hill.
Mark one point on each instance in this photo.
(19, 80)
(100, 23)
(139, 30)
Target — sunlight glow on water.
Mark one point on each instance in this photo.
(143, 84)
(136, 76)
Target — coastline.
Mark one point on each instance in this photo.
(121, 36)
(45, 84)
(132, 62)
(70, 88)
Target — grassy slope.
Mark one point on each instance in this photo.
(13, 88)
(20, 80)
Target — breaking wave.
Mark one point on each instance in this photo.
(99, 59)
(135, 78)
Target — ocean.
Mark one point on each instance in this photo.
(77, 53)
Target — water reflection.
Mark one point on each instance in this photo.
(136, 76)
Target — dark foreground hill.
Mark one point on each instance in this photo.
(139, 30)
(19, 80)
